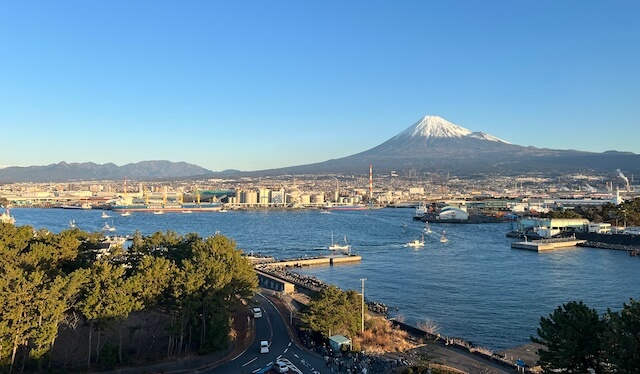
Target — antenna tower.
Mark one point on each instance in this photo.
(370, 181)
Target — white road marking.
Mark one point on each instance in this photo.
(285, 351)
(296, 355)
(255, 358)
(289, 345)
(241, 353)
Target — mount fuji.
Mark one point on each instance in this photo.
(434, 144)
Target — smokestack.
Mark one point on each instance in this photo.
(370, 181)
(625, 179)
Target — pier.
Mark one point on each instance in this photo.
(316, 261)
(547, 244)
(275, 276)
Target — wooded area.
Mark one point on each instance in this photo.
(51, 282)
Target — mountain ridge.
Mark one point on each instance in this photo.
(63, 171)
(432, 144)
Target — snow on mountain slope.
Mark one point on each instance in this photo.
(437, 127)
(485, 136)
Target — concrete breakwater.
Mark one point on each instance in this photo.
(311, 283)
(316, 261)
(540, 245)
(618, 239)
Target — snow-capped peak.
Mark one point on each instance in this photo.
(484, 136)
(435, 127)
(438, 127)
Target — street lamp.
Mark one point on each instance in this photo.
(362, 320)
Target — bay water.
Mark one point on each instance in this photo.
(473, 287)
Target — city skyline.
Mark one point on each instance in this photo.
(255, 86)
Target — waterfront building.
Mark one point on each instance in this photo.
(278, 197)
(547, 228)
(600, 228)
(264, 196)
(318, 199)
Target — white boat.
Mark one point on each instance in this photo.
(72, 224)
(325, 211)
(187, 211)
(420, 211)
(106, 227)
(7, 218)
(427, 229)
(125, 214)
(339, 247)
(443, 239)
(105, 215)
(416, 243)
(158, 212)
(223, 210)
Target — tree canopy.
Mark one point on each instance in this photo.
(45, 277)
(577, 340)
(333, 311)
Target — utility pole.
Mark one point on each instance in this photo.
(362, 320)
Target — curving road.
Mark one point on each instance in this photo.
(272, 328)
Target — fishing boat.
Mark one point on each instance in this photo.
(106, 227)
(337, 246)
(187, 211)
(416, 243)
(105, 215)
(223, 210)
(427, 229)
(158, 212)
(125, 213)
(7, 218)
(443, 238)
(72, 224)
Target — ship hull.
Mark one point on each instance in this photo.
(164, 208)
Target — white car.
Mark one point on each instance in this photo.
(264, 346)
(280, 367)
(257, 312)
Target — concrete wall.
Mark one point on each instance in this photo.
(273, 283)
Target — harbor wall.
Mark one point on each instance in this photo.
(317, 261)
(616, 239)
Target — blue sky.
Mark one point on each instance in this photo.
(255, 85)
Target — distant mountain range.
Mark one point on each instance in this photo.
(434, 144)
(62, 172)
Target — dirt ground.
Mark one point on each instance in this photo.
(144, 342)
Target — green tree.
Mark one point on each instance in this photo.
(572, 339)
(108, 297)
(333, 311)
(622, 338)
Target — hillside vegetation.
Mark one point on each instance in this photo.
(52, 283)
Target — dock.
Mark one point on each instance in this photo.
(316, 261)
(547, 244)
(276, 276)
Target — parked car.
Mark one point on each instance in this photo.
(264, 346)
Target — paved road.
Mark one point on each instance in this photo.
(272, 328)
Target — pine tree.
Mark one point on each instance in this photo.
(622, 338)
(572, 339)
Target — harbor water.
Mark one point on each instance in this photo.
(474, 286)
